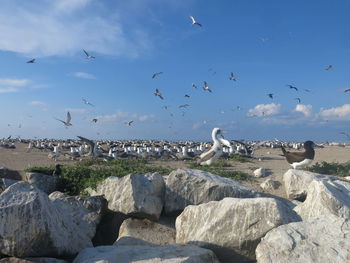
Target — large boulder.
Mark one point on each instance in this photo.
(32, 225)
(10, 174)
(134, 194)
(296, 182)
(232, 227)
(146, 254)
(149, 231)
(326, 197)
(4, 183)
(44, 182)
(323, 239)
(192, 187)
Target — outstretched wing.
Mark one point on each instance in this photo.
(68, 118)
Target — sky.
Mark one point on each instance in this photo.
(267, 45)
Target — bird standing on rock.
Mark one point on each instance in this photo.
(300, 159)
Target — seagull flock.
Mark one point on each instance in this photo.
(206, 152)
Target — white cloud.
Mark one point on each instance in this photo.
(304, 109)
(37, 103)
(265, 110)
(336, 113)
(83, 75)
(80, 111)
(14, 82)
(122, 115)
(8, 90)
(65, 27)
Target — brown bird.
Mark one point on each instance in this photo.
(300, 159)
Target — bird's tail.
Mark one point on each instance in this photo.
(284, 151)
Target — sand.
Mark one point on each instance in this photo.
(18, 159)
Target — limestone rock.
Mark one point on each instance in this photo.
(44, 182)
(152, 232)
(326, 197)
(134, 194)
(324, 239)
(269, 185)
(296, 182)
(146, 254)
(32, 225)
(192, 187)
(233, 227)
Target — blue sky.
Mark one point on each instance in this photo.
(133, 39)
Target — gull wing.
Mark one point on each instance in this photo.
(87, 54)
(68, 117)
(192, 18)
(89, 142)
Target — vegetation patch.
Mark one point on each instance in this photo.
(337, 169)
(239, 158)
(89, 173)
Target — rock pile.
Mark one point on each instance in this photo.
(187, 216)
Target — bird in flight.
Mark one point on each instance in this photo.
(129, 123)
(270, 95)
(157, 93)
(184, 106)
(330, 67)
(298, 99)
(265, 39)
(187, 96)
(194, 22)
(156, 74)
(347, 90)
(87, 55)
(94, 120)
(233, 77)
(292, 87)
(68, 119)
(88, 103)
(206, 87)
(194, 86)
(307, 90)
(31, 61)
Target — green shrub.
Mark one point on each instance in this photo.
(89, 173)
(239, 158)
(338, 169)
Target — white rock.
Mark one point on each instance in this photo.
(146, 254)
(269, 185)
(148, 231)
(260, 172)
(296, 182)
(134, 194)
(232, 227)
(326, 197)
(32, 260)
(324, 239)
(33, 226)
(44, 182)
(191, 187)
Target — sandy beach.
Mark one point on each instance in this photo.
(270, 159)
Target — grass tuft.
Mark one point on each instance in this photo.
(334, 168)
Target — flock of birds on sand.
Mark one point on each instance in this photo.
(206, 153)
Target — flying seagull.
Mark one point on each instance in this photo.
(184, 106)
(206, 87)
(298, 99)
(232, 77)
(156, 74)
(194, 22)
(157, 93)
(265, 39)
(292, 87)
(270, 95)
(92, 151)
(129, 123)
(67, 122)
(347, 90)
(330, 67)
(194, 86)
(187, 96)
(94, 120)
(88, 103)
(31, 61)
(307, 90)
(87, 55)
